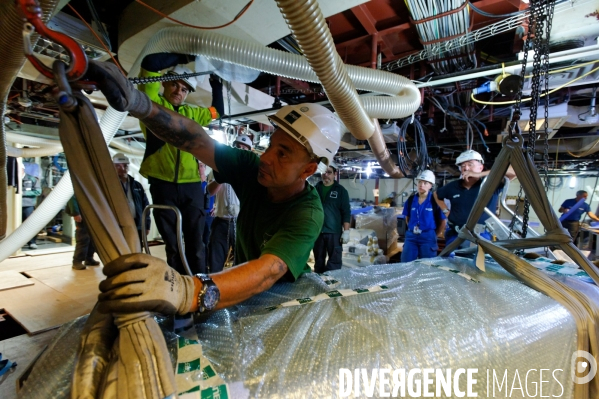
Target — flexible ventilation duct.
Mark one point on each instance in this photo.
(309, 28)
(403, 100)
(404, 96)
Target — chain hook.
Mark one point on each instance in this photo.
(32, 13)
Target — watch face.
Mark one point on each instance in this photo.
(211, 297)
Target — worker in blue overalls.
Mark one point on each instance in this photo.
(425, 221)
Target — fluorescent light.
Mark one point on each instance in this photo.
(572, 183)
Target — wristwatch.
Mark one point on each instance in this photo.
(209, 294)
(446, 211)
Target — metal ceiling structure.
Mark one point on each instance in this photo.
(448, 47)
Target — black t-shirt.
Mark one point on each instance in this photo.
(462, 200)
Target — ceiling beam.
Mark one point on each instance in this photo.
(369, 23)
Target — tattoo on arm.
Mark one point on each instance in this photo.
(174, 129)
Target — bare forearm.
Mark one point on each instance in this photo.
(181, 132)
(593, 216)
(441, 227)
(439, 202)
(246, 280)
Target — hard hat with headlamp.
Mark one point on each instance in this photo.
(426, 175)
(191, 81)
(313, 126)
(245, 140)
(469, 155)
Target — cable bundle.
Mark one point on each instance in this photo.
(411, 168)
(438, 21)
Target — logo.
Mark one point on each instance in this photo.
(304, 109)
(333, 194)
(587, 367)
(292, 117)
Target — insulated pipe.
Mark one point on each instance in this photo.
(404, 100)
(19, 138)
(33, 152)
(11, 62)
(126, 148)
(110, 122)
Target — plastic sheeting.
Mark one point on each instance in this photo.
(426, 318)
(384, 222)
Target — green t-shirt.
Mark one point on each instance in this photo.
(287, 229)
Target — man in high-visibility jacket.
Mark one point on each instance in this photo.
(172, 173)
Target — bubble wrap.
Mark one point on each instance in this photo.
(427, 318)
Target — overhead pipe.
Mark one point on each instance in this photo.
(119, 144)
(32, 152)
(403, 97)
(46, 144)
(309, 27)
(21, 138)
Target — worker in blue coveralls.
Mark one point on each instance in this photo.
(572, 221)
(337, 218)
(425, 221)
(462, 195)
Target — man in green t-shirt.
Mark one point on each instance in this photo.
(280, 213)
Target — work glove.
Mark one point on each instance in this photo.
(345, 237)
(119, 91)
(140, 282)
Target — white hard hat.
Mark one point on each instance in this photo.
(313, 126)
(469, 156)
(245, 139)
(427, 175)
(180, 70)
(119, 157)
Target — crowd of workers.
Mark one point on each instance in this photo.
(265, 212)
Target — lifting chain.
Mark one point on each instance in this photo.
(539, 23)
(165, 78)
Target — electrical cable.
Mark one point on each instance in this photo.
(411, 168)
(486, 14)
(96, 19)
(99, 40)
(436, 21)
(471, 122)
(569, 68)
(530, 98)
